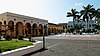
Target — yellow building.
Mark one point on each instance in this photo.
(14, 24)
(54, 29)
(64, 25)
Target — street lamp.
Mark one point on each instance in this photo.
(43, 38)
(44, 27)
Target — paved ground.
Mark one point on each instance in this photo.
(71, 45)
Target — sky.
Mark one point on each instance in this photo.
(54, 11)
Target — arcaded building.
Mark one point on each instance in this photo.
(64, 26)
(54, 29)
(15, 24)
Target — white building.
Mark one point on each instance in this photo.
(84, 24)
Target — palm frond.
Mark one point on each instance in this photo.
(69, 13)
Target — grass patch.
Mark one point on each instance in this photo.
(13, 44)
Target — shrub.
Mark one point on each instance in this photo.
(29, 37)
(0, 37)
(33, 40)
(7, 37)
(80, 33)
(19, 37)
(0, 51)
(70, 30)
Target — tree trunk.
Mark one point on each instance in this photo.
(73, 23)
(87, 24)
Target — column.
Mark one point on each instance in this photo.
(14, 30)
(31, 31)
(24, 32)
(38, 32)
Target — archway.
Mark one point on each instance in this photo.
(55, 30)
(11, 28)
(28, 29)
(34, 29)
(52, 30)
(40, 29)
(19, 29)
(49, 31)
(0, 27)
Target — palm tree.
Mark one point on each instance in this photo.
(79, 26)
(73, 14)
(97, 16)
(78, 19)
(87, 14)
(97, 19)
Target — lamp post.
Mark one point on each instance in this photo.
(44, 27)
(65, 29)
(43, 38)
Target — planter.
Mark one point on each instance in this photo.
(24, 50)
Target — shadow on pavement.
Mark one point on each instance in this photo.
(32, 53)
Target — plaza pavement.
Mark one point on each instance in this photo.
(70, 45)
(71, 37)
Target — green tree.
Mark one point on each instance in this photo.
(97, 19)
(87, 14)
(97, 16)
(97, 27)
(73, 14)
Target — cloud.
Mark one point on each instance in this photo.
(78, 4)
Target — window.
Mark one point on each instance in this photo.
(71, 26)
(38, 22)
(24, 20)
(93, 24)
(68, 26)
(31, 21)
(89, 25)
(5, 22)
(14, 19)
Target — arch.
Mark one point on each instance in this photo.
(34, 29)
(49, 31)
(34, 25)
(28, 29)
(0, 27)
(52, 30)
(45, 26)
(0, 22)
(19, 24)
(4, 22)
(19, 29)
(40, 29)
(40, 26)
(28, 25)
(11, 28)
(11, 24)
